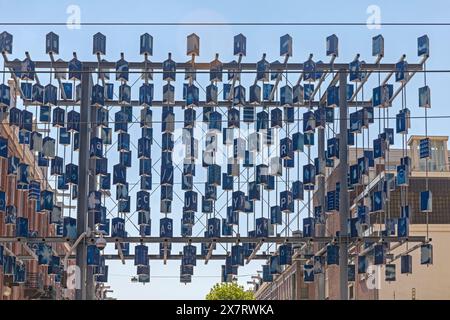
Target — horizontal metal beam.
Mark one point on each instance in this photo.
(180, 256)
(207, 66)
(185, 240)
(159, 257)
(182, 103)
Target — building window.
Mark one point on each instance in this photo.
(351, 292)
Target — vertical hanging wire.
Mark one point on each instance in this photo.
(426, 137)
(72, 138)
(309, 158)
(248, 175)
(298, 170)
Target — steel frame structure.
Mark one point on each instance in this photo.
(83, 225)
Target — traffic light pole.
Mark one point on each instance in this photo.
(343, 183)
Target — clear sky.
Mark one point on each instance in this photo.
(262, 39)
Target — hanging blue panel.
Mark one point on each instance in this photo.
(423, 46)
(308, 273)
(285, 253)
(8, 265)
(424, 148)
(122, 69)
(118, 228)
(93, 255)
(332, 254)
(266, 276)
(390, 272)
(309, 122)
(262, 228)
(21, 227)
(362, 264)
(332, 96)
(286, 96)
(319, 264)
(189, 255)
(297, 190)
(401, 71)
(332, 45)
(5, 96)
(94, 200)
(169, 69)
(119, 174)
(379, 254)
(146, 44)
(27, 69)
(426, 254)
(297, 94)
(46, 200)
(351, 272)
(104, 276)
(275, 215)
(69, 228)
(123, 205)
(406, 264)
(426, 201)
(15, 117)
(141, 255)
(27, 121)
(377, 201)
(6, 40)
(309, 175)
(378, 45)
(308, 227)
(19, 273)
(309, 71)
(286, 201)
(210, 192)
(190, 201)
(227, 229)
(44, 253)
(275, 267)
(50, 95)
(403, 227)
(240, 45)
(298, 141)
(3, 148)
(144, 218)
(286, 149)
(402, 176)
(262, 70)
(232, 216)
(99, 44)
(142, 201)
(237, 255)
(403, 121)
(213, 228)
(355, 70)
(166, 228)
(37, 94)
(238, 198)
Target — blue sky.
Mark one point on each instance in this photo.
(262, 39)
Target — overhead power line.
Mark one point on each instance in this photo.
(269, 24)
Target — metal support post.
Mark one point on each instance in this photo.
(83, 176)
(343, 194)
